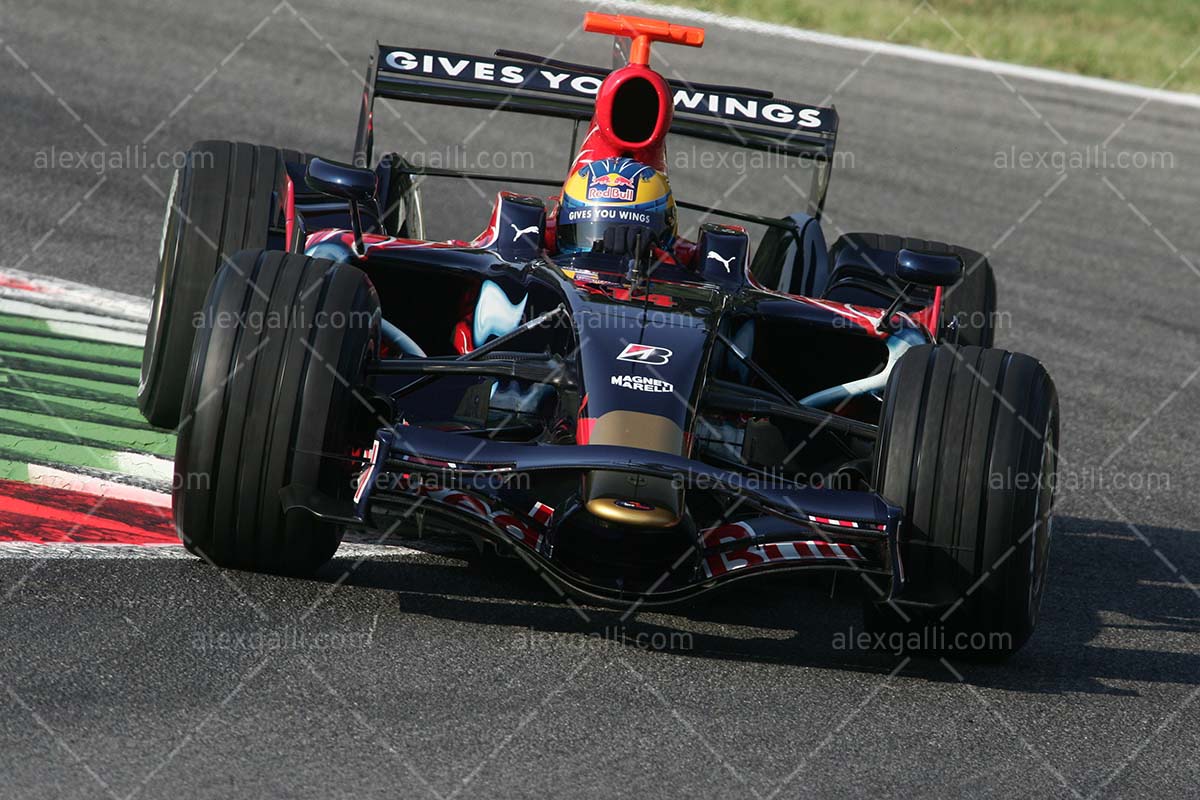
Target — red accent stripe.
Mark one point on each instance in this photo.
(14, 283)
(931, 315)
(583, 429)
(44, 515)
(463, 342)
(289, 211)
(826, 549)
(541, 513)
(365, 474)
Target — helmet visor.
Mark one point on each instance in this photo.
(580, 227)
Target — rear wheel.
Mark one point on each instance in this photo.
(270, 402)
(229, 196)
(970, 304)
(968, 448)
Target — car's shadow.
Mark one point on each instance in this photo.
(1105, 584)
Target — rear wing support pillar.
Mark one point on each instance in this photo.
(364, 137)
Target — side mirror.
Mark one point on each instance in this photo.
(341, 180)
(915, 268)
(352, 184)
(927, 269)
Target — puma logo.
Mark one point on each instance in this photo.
(724, 261)
(519, 232)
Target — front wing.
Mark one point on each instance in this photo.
(458, 481)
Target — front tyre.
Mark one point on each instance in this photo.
(968, 448)
(272, 400)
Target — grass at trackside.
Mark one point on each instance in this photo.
(1151, 42)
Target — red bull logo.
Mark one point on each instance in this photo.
(613, 179)
(612, 186)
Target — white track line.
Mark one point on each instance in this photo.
(93, 333)
(11, 304)
(140, 465)
(40, 475)
(56, 550)
(62, 550)
(52, 291)
(900, 51)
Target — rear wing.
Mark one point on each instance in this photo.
(531, 85)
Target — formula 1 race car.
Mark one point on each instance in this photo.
(638, 415)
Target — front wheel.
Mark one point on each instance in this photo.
(272, 400)
(968, 447)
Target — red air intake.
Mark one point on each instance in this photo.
(634, 106)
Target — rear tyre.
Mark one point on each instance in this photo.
(272, 387)
(229, 196)
(968, 448)
(970, 304)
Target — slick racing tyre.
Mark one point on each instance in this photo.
(228, 197)
(271, 401)
(968, 448)
(971, 303)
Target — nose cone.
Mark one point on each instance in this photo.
(627, 498)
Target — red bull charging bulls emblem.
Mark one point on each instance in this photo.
(612, 186)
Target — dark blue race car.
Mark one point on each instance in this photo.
(639, 414)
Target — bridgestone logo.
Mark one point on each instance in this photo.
(642, 384)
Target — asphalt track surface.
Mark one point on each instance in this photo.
(159, 676)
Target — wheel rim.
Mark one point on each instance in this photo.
(1039, 550)
(153, 331)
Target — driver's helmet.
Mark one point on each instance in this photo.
(614, 192)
